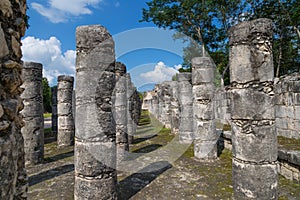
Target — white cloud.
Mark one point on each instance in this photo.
(160, 73)
(61, 10)
(49, 53)
(117, 4)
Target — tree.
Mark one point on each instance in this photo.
(204, 24)
(46, 96)
(207, 22)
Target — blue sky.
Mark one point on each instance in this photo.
(150, 54)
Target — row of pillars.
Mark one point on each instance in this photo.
(107, 110)
(251, 92)
(33, 129)
(125, 107)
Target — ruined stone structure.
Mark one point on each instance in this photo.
(174, 107)
(186, 107)
(13, 179)
(33, 129)
(287, 101)
(204, 126)
(95, 145)
(120, 111)
(130, 122)
(54, 111)
(222, 105)
(136, 111)
(252, 111)
(66, 125)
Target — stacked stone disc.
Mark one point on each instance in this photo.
(120, 111)
(252, 111)
(54, 111)
(204, 128)
(130, 121)
(95, 144)
(174, 107)
(186, 107)
(33, 130)
(66, 125)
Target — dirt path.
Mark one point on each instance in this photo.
(158, 167)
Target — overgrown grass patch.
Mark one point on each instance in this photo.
(288, 143)
(47, 115)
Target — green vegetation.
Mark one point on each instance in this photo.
(47, 115)
(204, 26)
(46, 96)
(288, 143)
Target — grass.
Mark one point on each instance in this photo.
(288, 143)
(47, 115)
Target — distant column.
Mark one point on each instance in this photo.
(130, 121)
(33, 130)
(186, 107)
(95, 144)
(66, 126)
(254, 139)
(174, 108)
(204, 128)
(120, 111)
(54, 110)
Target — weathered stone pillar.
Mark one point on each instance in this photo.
(54, 111)
(186, 107)
(120, 111)
(130, 121)
(33, 130)
(204, 126)
(66, 126)
(13, 181)
(95, 144)
(165, 97)
(252, 107)
(174, 107)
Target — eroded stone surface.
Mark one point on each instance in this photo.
(33, 130)
(95, 126)
(65, 121)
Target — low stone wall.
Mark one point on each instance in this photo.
(288, 161)
(287, 92)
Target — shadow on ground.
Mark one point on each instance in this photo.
(132, 184)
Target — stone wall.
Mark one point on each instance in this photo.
(13, 181)
(287, 90)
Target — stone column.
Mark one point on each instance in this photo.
(186, 107)
(254, 140)
(95, 144)
(33, 130)
(66, 126)
(120, 111)
(204, 126)
(130, 121)
(13, 178)
(174, 107)
(54, 111)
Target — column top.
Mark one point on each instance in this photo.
(32, 65)
(202, 62)
(65, 78)
(91, 35)
(246, 32)
(120, 68)
(185, 76)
